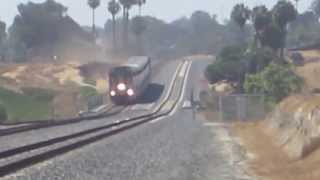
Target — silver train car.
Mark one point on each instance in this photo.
(128, 81)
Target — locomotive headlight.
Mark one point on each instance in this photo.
(121, 87)
(112, 93)
(130, 92)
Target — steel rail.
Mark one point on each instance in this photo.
(127, 124)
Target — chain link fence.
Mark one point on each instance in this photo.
(237, 107)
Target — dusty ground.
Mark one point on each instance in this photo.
(311, 54)
(310, 72)
(65, 79)
(311, 68)
(269, 162)
(42, 74)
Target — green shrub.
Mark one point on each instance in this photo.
(39, 94)
(87, 92)
(277, 81)
(230, 65)
(90, 81)
(232, 53)
(259, 59)
(22, 107)
(233, 64)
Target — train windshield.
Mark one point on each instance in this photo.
(120, 74)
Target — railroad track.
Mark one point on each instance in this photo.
(21, 157)
(111, 111)
(35, 125)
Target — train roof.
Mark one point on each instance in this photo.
(134, 65)
(137, 61)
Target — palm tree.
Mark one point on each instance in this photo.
(261, 19)
(126, 5)
(240, 14)
(140, 3)
(93, 5)
(283, 13)
(114, 8)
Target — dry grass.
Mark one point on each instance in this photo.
(310, 72)
(50, 75)
(270, 162)
(310, 54)
(303, 103)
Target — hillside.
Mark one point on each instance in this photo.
(34, 91)
(310, 70)
(286, 144)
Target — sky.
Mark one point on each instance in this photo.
(167, 10)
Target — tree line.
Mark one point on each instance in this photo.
(45, 28)
(39, 27)
(258, 65)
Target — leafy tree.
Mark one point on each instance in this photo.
(259, 59)
(184, 36)
(283, 13)
(272, 37)
(315, 6)
(240, 14)
(230, 65)
(114, 8)
(44, 29)
(138, 27)
(304, 30)
(233, 64)
(3, 31)
(37, 24)
(201, 22)
(94, 4)
(261, 18)
(277, 81)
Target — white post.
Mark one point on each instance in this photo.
(220, 108)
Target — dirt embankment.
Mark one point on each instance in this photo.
(64, 79)
(310, 69)
(286, 144)
(268, 161)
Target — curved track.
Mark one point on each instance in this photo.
(45, 150)
(113, 110)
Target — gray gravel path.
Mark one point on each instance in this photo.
(174, 148)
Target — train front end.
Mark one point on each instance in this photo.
(121, 85)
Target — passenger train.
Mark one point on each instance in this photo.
(128, 81)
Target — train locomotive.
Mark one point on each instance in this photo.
(128, 81)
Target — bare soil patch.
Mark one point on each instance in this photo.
(310, 72)
(269, 162)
